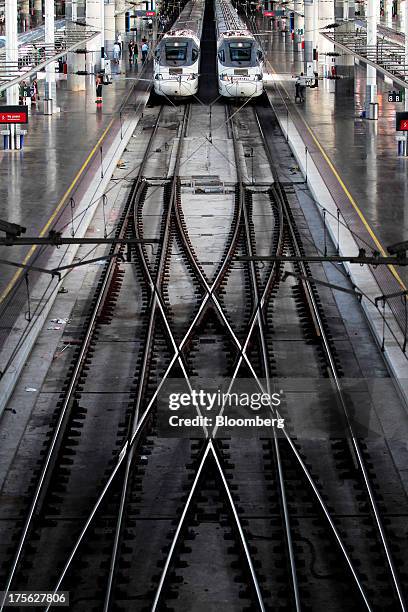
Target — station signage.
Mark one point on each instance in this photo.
(13, 114)
(396, 96)
(278, 13)
(140, 13)
(401, 123)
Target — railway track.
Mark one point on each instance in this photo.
(127, 515)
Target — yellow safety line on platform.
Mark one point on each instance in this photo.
(54, 214)
(346, 191)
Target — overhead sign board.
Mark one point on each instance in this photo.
(13, 114)
(396, 96)
(401, 123)
(140, 13)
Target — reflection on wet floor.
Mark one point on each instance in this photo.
(364, 152)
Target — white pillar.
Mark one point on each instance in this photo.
(95, 18)
(110, 27)
(373, 14)
(299, 21)
(326, 16)
(309, 19)
(388, 12)
(403, 16)
(120, 17)
(25, 12)
(12, 61)
(406, 54)
(315, 32)
(38, 9)
(75, 61)
(346, 10)
(50, 86)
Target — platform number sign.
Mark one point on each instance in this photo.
(396, 96)
(401, 124)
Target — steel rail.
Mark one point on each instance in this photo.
(265, 360)
(56, 440)
(354, 440)
(146, 352)
(208, 448)
(135, 195)
(243, 356)
(333, 369)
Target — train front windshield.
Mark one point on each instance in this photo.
(240, 52)
(176, 52)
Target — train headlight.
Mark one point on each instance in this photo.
(258, 77)
(158, 76)
(225, 77)
(191, 77)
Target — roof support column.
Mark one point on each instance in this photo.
(110, 26)
(95, 18)
(388, 12)
(50, 85)
(403, 17)
(406, 53)
(12, 61)
(25, 13)
(75, 61)
(299, 20)
(120, 17)
(326, 17)
(38, 10)
(316, 9)
(309, 34)
(373, 14)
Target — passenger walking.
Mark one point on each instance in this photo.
(34, 91)
(131, 48)
(99, 86)
(119, 40)
(145, 51)
(116, 52)
(300, 88)
(24, 93)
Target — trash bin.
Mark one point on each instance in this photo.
(48, 106)
(373, 110)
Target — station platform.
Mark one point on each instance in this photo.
(357, 157)
(55, 163)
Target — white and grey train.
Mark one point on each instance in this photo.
(239, 57)
(177, 56)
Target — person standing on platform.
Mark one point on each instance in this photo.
(119, 39)
(300, 88)
(145, 51)
(24, 93)
(131, 48)
(99, 86)
(116, 52)
(34, 92)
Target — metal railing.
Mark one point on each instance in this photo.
(33, 56)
